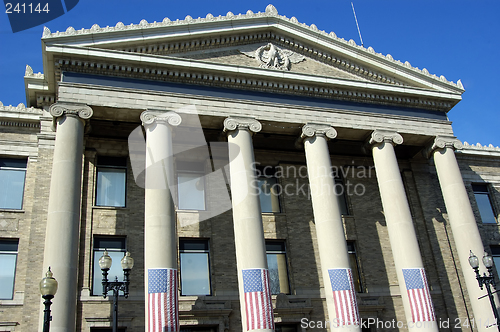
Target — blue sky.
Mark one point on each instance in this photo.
(457, 39)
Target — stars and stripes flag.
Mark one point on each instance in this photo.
(163, 309)
(344, 296)
(258, 306)
(419, 295)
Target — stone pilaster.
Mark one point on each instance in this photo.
(404, 245)
(337, 274)
(463, 224)
(248, 229)
(160, 233)
(63, 219)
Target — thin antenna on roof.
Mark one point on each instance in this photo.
(355, 18)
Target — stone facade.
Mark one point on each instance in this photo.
(330, 87)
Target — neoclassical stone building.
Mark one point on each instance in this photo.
(263, 174)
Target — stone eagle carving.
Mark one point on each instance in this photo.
(272, 57)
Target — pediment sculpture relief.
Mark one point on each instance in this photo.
(272, 57)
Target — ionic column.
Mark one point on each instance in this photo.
(412, 280)
(253, 276)
(463, 224)
(337, 274)
(63, 219)
(160, 234)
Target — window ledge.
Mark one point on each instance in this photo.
(16, 301)
(12, 210)
(109, 207)
(190, 211)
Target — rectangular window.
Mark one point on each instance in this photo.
(286, 327)
(111, 181)
(484, 203)
(116, 250)
(8, 259)
(341, 191)
(12, 176)
(353, 262)
(495, 253)
(278, 267)
(191, 186)
(195, 267)
(268, 190)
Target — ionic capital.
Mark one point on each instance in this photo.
(170, 117)
(380, 136)
(233, 123)
(442, 142)
(81, 110)
(318, 129)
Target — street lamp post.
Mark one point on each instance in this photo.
(486, 280)
(48, 288)
(116, 286)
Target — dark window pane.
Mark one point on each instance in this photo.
(484, 203)
(13, 163)
(109, 243)
(480, 188)
(112, 161)
(341, 191)
(9, 245)
(198, 245)
(198, 329)
(286, 328)
(275, 246)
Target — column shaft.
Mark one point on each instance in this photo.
(463, 226)
(404, 245)
(63, 219)
(248, 229)
(330, 230)
(160, 234)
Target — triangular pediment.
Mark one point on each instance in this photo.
(269, 56)
(245, 47)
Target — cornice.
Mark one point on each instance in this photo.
(269, 17)
(20, 116)
(154, 67)
(480, 150)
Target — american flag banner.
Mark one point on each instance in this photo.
(258, 305)
(163, 304)
(419, 295)
(344, 296)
